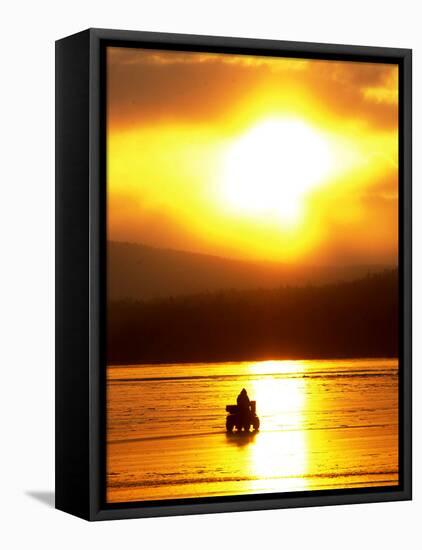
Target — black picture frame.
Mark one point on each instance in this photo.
(81, 272)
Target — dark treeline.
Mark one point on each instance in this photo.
(350, 319)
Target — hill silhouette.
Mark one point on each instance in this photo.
(140, 272)
(344, 319)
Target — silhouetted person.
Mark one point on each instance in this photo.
(243, 401)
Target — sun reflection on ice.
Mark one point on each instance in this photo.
(279, 454)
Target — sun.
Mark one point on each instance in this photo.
(270, 168)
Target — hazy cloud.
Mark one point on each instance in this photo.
(150, 85)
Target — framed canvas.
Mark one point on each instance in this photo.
(233, 274)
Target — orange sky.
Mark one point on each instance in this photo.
(253, 157)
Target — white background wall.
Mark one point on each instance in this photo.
(27, 35)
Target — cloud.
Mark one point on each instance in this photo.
(171, 114)
(152, 86)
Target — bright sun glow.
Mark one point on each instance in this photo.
(271, 167)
